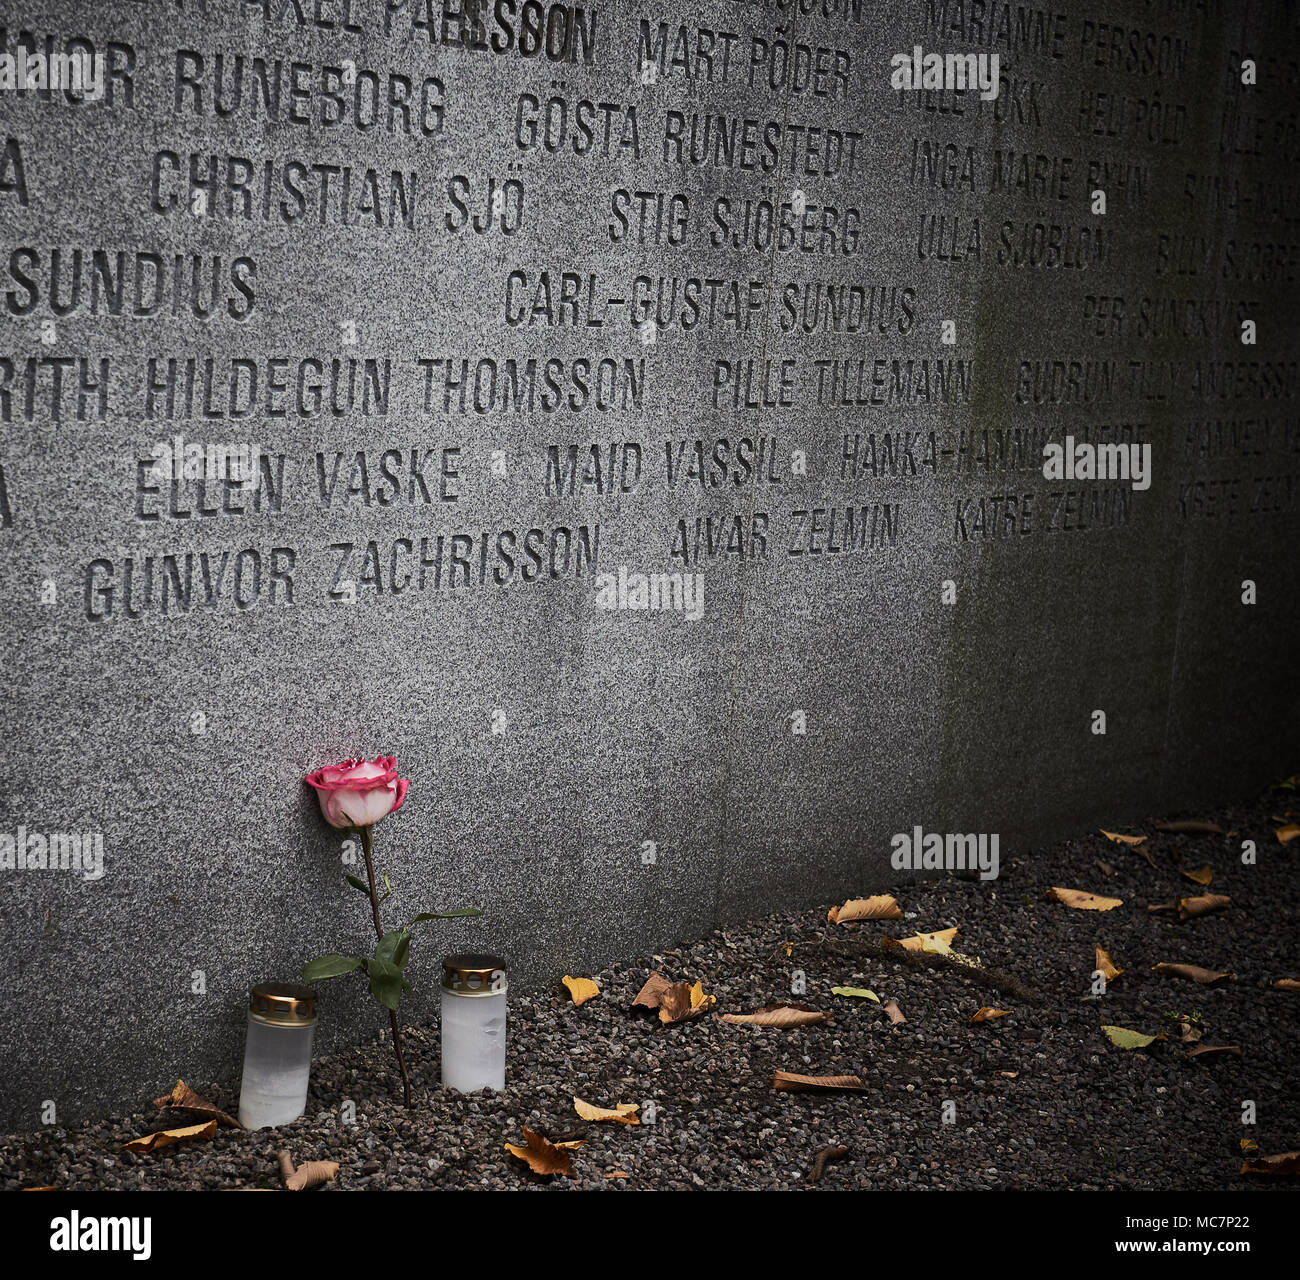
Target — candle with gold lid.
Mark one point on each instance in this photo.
(474, 1022)
(277, 1054)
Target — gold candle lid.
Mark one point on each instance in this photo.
(474, 974)
(287, 1002)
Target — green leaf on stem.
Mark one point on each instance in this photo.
(386, 982)
(330, 967)
(359, 884)
(394, 948)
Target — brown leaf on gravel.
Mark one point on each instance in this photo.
(183, 1098)
(883, 906)
(1193, 973)
(788, 1082)
(1199, 875)
(1287, 984)
(675, 1001)
(1287, 1164)
(1081, 900)
(940, 941)
(543, 1156)
(1190, 1034)
(985, 1014)
(1191, 827)
(305, 1176)
(684, 1001)
(1137, 843)
(822, 1158)
(1288, 833)
(580, 989)
(617, 1173)
(651, 995)
(1249, 1146)
(778, 1015)
(1106, 966)
(620, 1113)
(1007, 1075)
(169, 1137)
(1106, 869)
(1188, 908)
(1214, 1048)
(893, 1012)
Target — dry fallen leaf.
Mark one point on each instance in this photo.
(1106, 869)
(1200, 875)
(617, 1173)
(1106, 966)
(305, 1176)
(1190, 907)
(183, 1098)
(621, 1113)
(939, 942)
(893, 1012)
(1191, 826)
(580, 989)
(1123, 1038)
(881, 907)
(1249, 1145)
(543, 1156)
(1190, 1035)
(861, 992)
(675, 1001)
(1007, 1075)
(1288, 1163)
(168, 1137)
(822, 1158)
(1193, 973)
(788, 1082)
(1083, 901)
(778, 1015)
(985, 1014)
(1288, 833)
(1287, 984)
(684, 1001)
(1214, 1048)
(651, 995)
(1137, 843)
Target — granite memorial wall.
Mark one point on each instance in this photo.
(699, 438)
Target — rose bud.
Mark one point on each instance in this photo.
(358, 793)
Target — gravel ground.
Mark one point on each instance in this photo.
(1042, 1100)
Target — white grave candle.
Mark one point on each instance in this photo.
(474, 1023)
(277, 1054)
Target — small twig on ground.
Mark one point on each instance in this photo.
(822, 1157)
(286, 1166)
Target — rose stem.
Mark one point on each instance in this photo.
(364, 833)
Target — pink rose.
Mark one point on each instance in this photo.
(358, 793)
